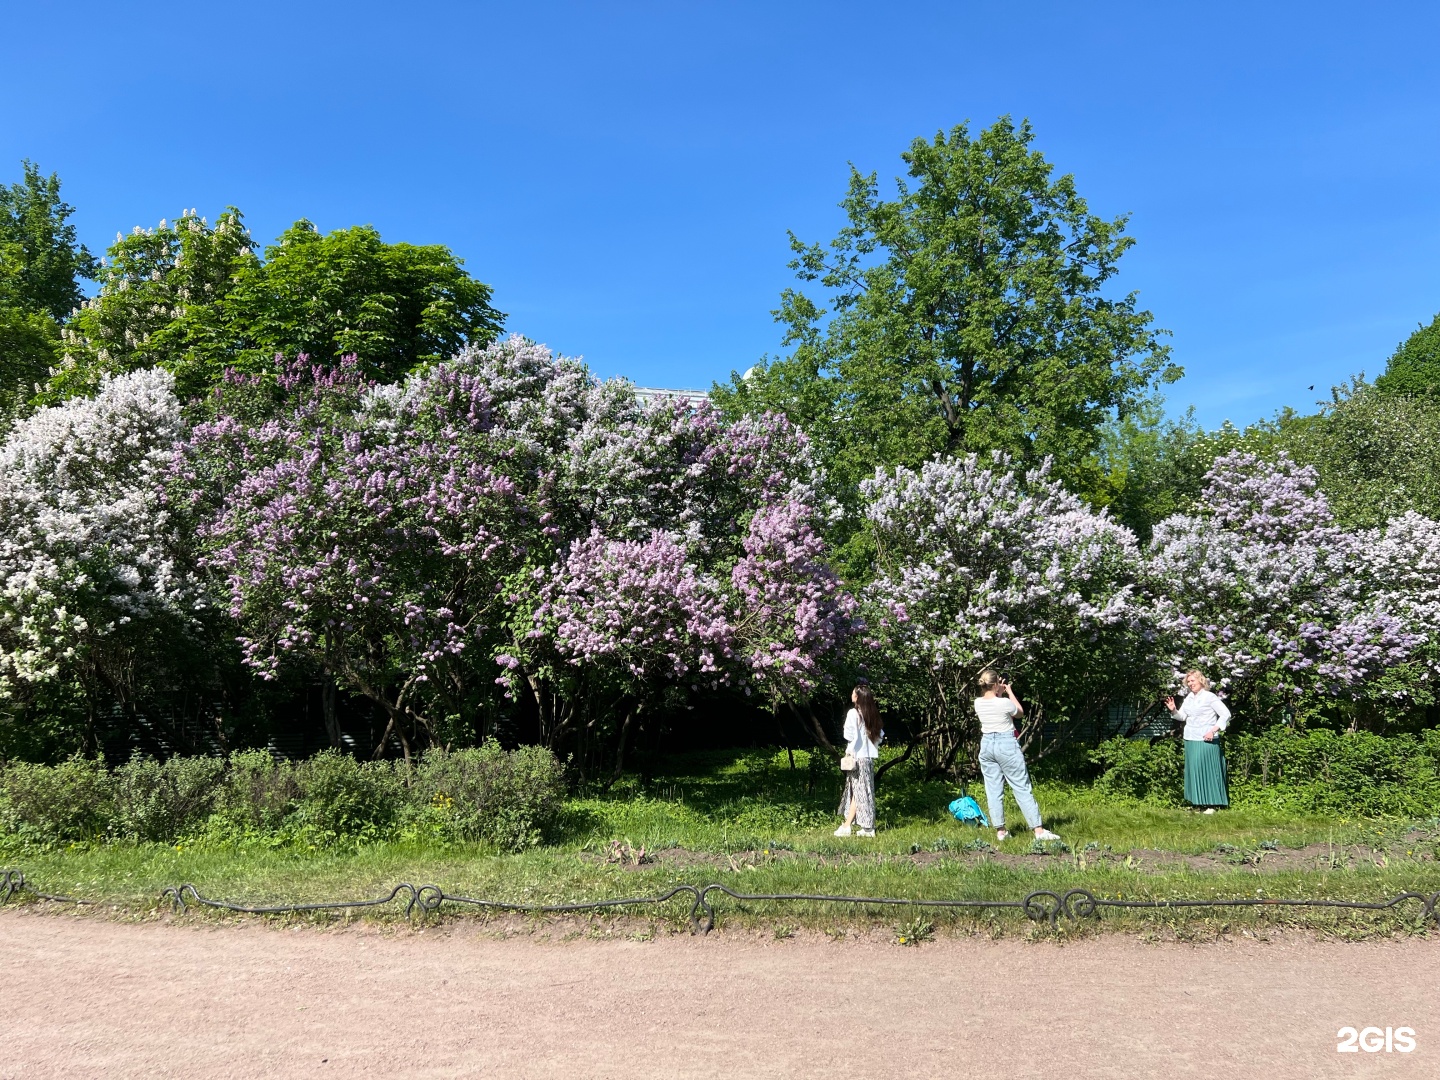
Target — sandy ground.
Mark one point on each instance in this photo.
(89, 998)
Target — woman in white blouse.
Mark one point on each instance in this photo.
(863, 737)
(1205, 717)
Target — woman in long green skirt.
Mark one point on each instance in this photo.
(1205, 717)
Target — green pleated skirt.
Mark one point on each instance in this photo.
(1205, 777)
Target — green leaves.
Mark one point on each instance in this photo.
(1415, 367)
(40, 261)
(39, 256)
(196, 300)
(969, 313)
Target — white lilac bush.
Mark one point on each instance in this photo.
(983, 566)
(90, 557)
(1260, 588)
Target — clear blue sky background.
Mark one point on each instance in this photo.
(624, 173)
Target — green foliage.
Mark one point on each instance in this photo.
(968, 314)
(196, 299)
(344, 799)
(395, 306)
(1377, 453)
(484, 793)
(40, 262)
(29, 348)
(509, 799)
(47, 804)
(259, 792)
(40, 258)
(1137, 770)
(157, 800)
(1415, 367)
(1358, 774)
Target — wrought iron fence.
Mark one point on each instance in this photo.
(1041, 905)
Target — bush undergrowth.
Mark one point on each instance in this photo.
(505, 799)
(1358, 774)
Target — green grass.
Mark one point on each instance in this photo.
(750, 821)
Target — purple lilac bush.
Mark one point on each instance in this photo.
(1261, 588)
(503, 531)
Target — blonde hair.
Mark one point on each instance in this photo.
(1204, 682)
(989, 679)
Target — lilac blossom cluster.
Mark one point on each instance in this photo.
(983, 565)
(506, 518)
(1260, 587)
(89, 555)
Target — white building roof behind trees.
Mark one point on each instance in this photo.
(648, 395)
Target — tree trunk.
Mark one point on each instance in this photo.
(620, 748)
(809, 720)
(327, 707)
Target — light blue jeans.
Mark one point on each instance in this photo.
(1000, 760)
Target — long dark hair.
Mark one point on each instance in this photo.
(869, 713)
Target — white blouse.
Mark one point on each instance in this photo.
(1201, 712)
(857, 739)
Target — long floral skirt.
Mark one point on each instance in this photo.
(860, 788)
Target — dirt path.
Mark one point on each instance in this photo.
(90, 998)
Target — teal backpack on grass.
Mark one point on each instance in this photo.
(968, 810)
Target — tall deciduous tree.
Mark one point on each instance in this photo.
(1415, 367)
(40, 264)
(197, 300)
(970, 313)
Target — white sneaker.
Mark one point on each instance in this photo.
(866, 832)
(843, 830)
(1002, 834)
(1210, 810)
(1045, 834)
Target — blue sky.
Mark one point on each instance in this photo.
(623, 174)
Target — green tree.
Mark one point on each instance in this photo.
(40, 264)
(1377, 454)
(197, 299)
(970, 313)
(1415, 367)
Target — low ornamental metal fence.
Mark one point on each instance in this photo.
(1041, 905)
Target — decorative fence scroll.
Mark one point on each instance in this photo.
(1042, 905)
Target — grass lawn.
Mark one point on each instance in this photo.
(750, 821)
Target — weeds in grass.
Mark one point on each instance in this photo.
(915, 932)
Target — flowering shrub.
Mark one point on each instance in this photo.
(90, 558)
(982, 566)
(505, 518)
(641, 606)
(791, 614)
(1263, 590)
(370, 532)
